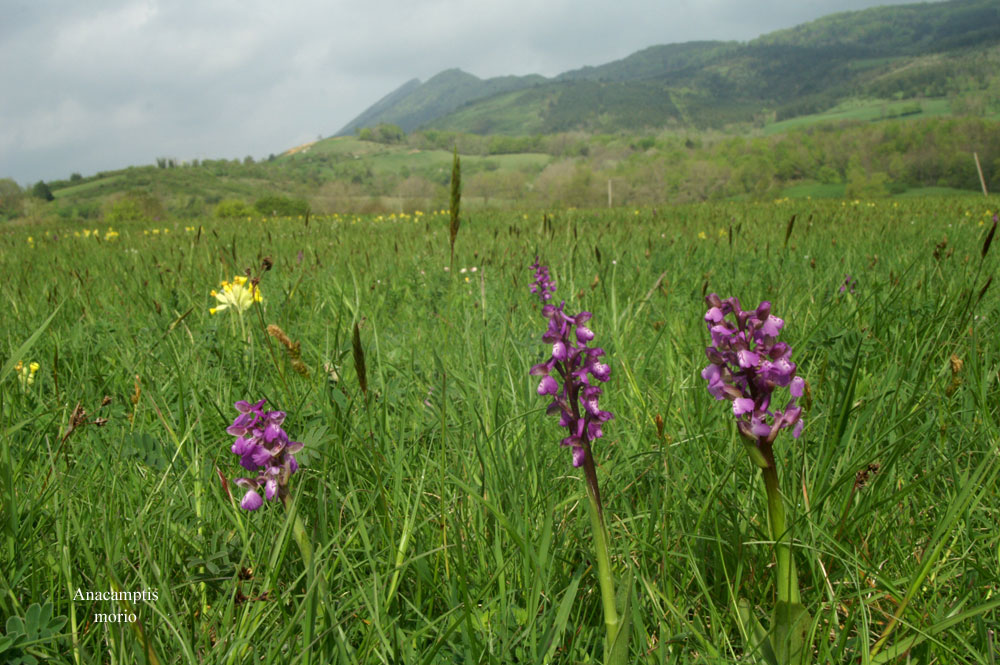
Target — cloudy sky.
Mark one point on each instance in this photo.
(104, 84)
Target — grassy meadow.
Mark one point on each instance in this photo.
(446, 523)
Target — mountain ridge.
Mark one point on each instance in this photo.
(708, 84)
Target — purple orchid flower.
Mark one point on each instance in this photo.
(263, 446)
(578, 366)
(543, 284)
(747, 364)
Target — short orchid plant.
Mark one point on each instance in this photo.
(746, 364)
(263, 446)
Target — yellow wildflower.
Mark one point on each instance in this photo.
(236, 294)
(702, 236)
(26, 375)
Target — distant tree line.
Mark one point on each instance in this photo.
(857, 159)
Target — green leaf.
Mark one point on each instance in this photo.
(790, 633)
(32, 620)
(15, 626)
(618, 653)
(757, 642)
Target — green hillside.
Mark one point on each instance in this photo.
(887, 53)
(415, 104)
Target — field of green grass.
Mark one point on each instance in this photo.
(434, 517)
(865, 110)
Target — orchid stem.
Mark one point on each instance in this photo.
(788, 584)
(604, 576)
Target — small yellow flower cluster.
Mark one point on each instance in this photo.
(111, 234)
(702, 236)
(31, 241)
(26, 374)
(237, 294)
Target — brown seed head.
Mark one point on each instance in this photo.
(956, 364)
(78, 417)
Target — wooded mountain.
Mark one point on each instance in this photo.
(898, 52)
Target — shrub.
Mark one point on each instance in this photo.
(133, 206)
(11, 198)
(281, 206)
(42, 191)
(233, 209)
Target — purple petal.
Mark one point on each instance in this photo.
(240, 446)
(796, 386)
(246, 483)
(559, 351)
(584, 334)
(772, 326)
(548, 386)
(270, 488)
(273, 432)
(247, 462)
(742, 405)
(759, 427)
(601, 371)
(578, 456)
(747, 359)
(242, 423)
(540, 369)
(251, 501)
(798, 429)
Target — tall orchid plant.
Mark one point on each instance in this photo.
(570, 377)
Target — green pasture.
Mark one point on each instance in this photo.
(446, 523)
(866, 110)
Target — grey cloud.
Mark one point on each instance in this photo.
(109, 83)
